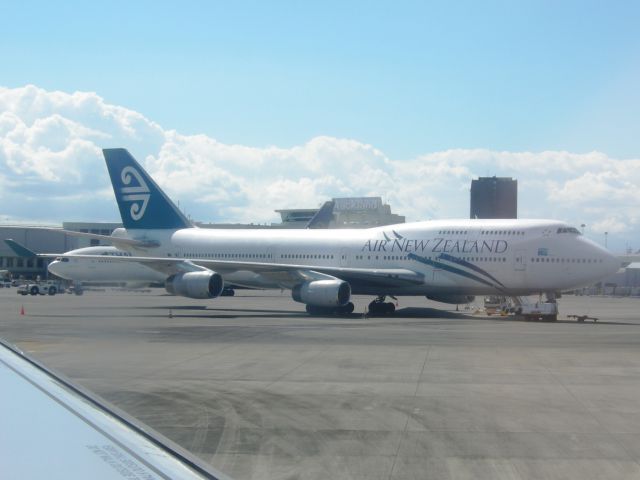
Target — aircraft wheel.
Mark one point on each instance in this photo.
(381, 308)
(374, 308)
(313, 310)
(345, 309)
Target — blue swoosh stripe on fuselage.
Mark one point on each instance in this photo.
(464, 263)
(449, 268)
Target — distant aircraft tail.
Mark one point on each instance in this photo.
(142, 204)
(20, 249)
(323, 217)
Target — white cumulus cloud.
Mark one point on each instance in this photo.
(50, 156)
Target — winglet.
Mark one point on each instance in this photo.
(143, 205)
(20, 250)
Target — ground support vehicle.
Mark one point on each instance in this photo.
(42, 288)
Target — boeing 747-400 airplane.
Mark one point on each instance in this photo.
(445, 260)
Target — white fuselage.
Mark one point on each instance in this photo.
(103, 269)
(471, 257)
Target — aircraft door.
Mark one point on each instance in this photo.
(520, 260)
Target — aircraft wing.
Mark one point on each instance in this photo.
(120, 242)
(290, 275)
(54, 429)
(286, 275)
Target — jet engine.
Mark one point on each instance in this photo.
(322, 293)
(204, 284)
(455, 299)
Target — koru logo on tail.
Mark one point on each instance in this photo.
(138, 194)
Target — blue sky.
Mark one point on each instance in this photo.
(241, 108)
(407, 77)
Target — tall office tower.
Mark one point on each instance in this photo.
(494, 197)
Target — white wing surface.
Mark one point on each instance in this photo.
(50, 428)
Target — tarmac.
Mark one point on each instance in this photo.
(257, 388)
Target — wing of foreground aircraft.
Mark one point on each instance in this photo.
(53, 429)
(286, 275)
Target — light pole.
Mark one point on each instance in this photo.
(583, 227)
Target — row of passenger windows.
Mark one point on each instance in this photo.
(501, 232)
(482, 232)
(385, 257)
(404, 257)
(565, 260)
(225, 255)
(310, 256)
(307, 255)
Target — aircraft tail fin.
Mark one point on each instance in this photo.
(20, 249)
(323, 217)
(142, 204)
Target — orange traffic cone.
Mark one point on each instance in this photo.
(22, 310)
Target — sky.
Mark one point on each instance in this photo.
(241, 108)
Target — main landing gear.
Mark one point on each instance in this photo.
(342, 310)
(380, 307)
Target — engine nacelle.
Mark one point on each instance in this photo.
(455, 299)
(322, 293)
(195, 284)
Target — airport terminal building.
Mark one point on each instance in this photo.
(41, 241)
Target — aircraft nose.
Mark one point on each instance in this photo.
(56, 268)
(606, 263)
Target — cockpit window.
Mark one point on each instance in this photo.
(569, 230)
